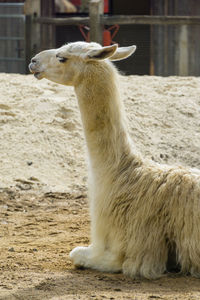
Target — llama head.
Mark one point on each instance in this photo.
(66, 64)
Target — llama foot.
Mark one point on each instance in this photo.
(130, 269)
(195, 272)
(80, 256)
(86, 257)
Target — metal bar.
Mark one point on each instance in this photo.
(11, 4)
(12, 16)
(124, 19)
(12, 58)
(11, 38)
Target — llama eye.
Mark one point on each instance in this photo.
(62, 59)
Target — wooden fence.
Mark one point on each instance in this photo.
(169, 43)
(40, 33)
(97, 20)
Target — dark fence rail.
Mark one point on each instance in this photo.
(123, 19)
(63, 21)
(151, 20)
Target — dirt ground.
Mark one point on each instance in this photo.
(43, 183)
(37, 233)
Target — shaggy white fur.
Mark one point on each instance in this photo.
(139, 209)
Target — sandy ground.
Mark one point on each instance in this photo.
(43, 183)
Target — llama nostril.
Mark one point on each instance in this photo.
(33, 60)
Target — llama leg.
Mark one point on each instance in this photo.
(146, 260)
(104, 252)
(189, 255)
(195, 270)
(90, 257)
(187, 233)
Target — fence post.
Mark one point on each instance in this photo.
(28, 42)
(183, 51)
(32, 29)
(48, 32)
(96, 27)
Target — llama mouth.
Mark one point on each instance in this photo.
(38, 75)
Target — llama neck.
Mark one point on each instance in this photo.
(102, 115)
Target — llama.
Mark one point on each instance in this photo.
(65, 6)
(139, 209)
(61, 6)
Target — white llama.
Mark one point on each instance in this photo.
(139, 209)
(65, 6)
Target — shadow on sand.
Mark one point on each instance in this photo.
(87, 284)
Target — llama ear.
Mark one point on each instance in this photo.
(123, 52)
(102, 53)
